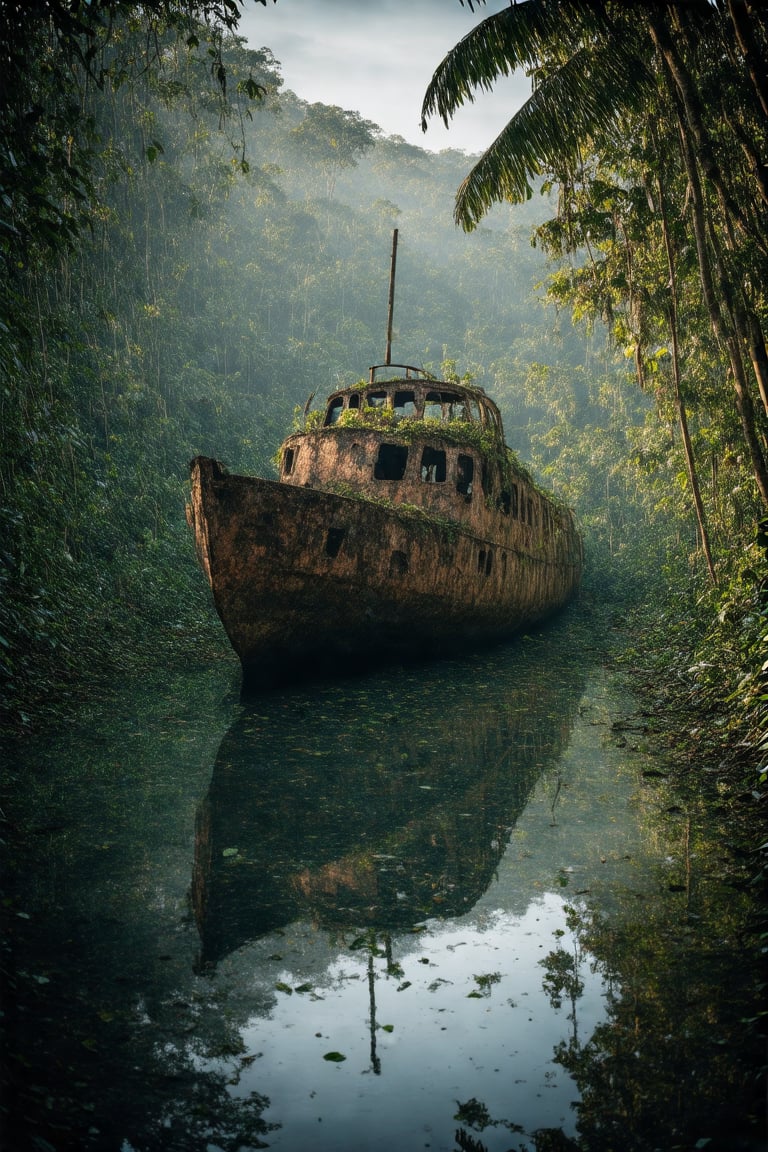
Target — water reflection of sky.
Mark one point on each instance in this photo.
(469, 1019)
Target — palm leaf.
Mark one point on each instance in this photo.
(516, 37)
(585, 95)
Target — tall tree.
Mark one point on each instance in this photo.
(599, 70)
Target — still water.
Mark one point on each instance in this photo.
(365, 915)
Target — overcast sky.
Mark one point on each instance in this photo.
(376, 57)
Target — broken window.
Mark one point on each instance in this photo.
(457, 410)
(333, 541)
(531, 517)
(289, 460)
(390, 462)
(398, 563)
(405, 404)
(433, 406)
(465, 474)
(376, 399)
(433, 466)
(474, 408)
(506, 502)
(334, 410)
(354, 400)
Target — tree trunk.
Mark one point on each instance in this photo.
(725, 330)
(741, 14)
(687, 94)
(682, 415)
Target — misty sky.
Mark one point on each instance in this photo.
(376, 57)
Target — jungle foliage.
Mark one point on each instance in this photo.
(190, 251)
(648, 125)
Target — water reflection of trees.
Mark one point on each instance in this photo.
(675, 1064)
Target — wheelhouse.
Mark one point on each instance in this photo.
(415, 395)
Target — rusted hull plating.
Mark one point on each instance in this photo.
(304, 579)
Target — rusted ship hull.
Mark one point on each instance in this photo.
(304, 579)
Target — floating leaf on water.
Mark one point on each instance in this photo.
(227, 852)
(303, 988)
(334, 1057)
(387, 1027)
(281, 987)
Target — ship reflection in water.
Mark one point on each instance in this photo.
(354, 848)
(372, 805)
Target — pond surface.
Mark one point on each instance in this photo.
(452, 906)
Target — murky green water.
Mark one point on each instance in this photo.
(367, 915)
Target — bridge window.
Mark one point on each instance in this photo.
(405, 404)
(433, 466)
(457, 410)
(376, 399)
(334, 410)
(433, 406)
(391, 461)
(354, 400)
(465, 474)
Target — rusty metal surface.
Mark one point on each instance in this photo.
(303, 577)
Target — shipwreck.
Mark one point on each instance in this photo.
(401, 526)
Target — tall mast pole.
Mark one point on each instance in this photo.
(388, 357)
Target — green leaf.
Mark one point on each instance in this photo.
(334, 1057)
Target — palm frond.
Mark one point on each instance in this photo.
(510, 39)
(585, 95)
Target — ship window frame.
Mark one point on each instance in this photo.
(407, 405)
(433, 406)
(353, 401)
(391, 461)
(380, 396)
(289, 460)
(433, 465)
(456, 409)
(465, 477)
(333, 411)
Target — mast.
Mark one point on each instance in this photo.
(388, 356)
